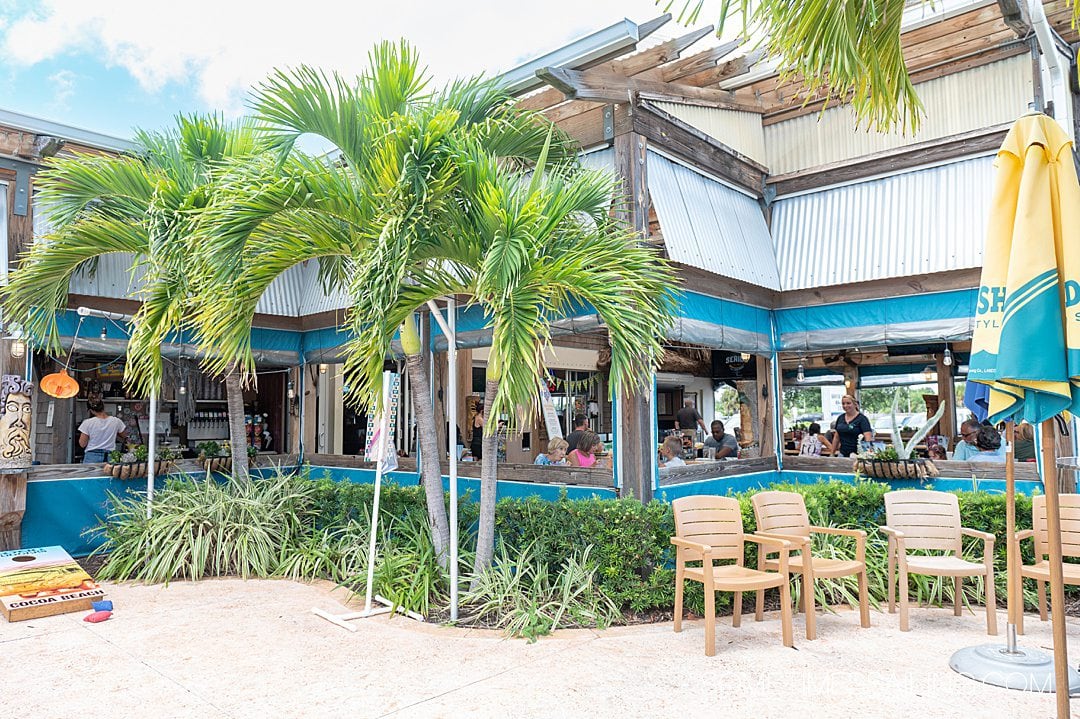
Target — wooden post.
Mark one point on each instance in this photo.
(1057, 586)
(12, 508)
(947, 395)
(765, 430)
(851, 380)
(638, 445)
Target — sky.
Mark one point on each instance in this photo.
(111, 65)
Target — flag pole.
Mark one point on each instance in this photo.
(1057, 586)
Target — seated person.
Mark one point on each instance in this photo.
(556, 453)
(936, 451)
(1024, 446)
(724, 444)
(988, 446)
(812, 445)
(587, 453)
(966, 446)
(671, 452)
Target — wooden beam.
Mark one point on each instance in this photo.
(608, 87)
(642, 62)
(707, 283)
(698, 148)
(699, 62)
(890, 161)
(727, 71)
(1015, 15)
(880, 289)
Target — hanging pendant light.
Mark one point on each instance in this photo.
(947, 358)
(800, 373)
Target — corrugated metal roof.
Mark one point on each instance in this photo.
(708, 225)
(112, 278)
(954, 104)
(930, 220)
(741, 131)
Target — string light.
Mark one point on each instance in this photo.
(104, 332)
(800, 373)
(182, 389)
(946, 359)
(291, 390)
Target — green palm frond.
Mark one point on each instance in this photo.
(840, 51)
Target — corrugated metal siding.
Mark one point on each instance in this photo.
(112, 278)
(741, 131)
(982, 97)
(931, 220)
(711, 226)
(283, 295)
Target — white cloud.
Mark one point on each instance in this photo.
(222, 47)
(63, 84)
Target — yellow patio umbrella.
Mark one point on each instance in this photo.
(1026, 345)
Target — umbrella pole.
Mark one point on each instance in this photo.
(1057, 586)
(1013, 597)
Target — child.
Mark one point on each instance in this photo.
(812, 445)
(671, 451)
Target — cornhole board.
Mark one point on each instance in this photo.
(43, 581)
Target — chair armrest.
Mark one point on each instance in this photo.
(705, 549)
(765, 540)
(857, 534)
(842, 532)
(975, 533)
(890, 532)
(1026, 534)
(797, 542)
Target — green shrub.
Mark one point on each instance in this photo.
(526, 597)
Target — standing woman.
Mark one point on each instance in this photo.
(98, 434)
(851, 426)
(476, 446)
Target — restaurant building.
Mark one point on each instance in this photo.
(811, 252)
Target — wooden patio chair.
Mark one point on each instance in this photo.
(708, 529)
(782, 515)
(1070, 547)
(920, 519)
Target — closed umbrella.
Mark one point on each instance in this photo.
(1026, 347)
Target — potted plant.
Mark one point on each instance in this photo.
(897, 461)
(132, 462)
(214, 457)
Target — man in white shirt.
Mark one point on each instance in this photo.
(98, 434)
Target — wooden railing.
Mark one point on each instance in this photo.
(715, 470)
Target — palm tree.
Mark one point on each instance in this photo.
(148, 205)
(528, 251)
(372, 218)
(847, 49)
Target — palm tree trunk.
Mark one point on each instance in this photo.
(430, 469)
(234, 394)
(485, 539)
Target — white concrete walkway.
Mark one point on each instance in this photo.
(229, 648)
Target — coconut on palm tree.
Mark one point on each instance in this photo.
(147, 205)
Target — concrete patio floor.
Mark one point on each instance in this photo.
(230, 648)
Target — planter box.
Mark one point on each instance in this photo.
(896, 468)
(217, 464)
(135, 470)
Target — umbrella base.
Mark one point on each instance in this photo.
(1027, 670)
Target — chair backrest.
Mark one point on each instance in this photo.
(715, 521)
(928, 519)
(1070, 525)
(781, 513)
